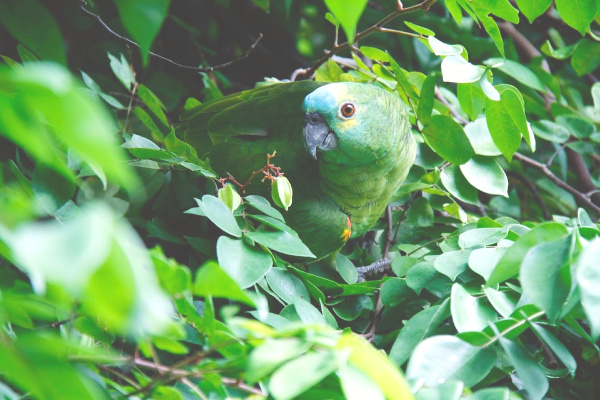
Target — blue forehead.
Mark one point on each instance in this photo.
(324, 98)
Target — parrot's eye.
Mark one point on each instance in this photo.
(347, 110)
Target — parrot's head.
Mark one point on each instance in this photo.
(351, 122)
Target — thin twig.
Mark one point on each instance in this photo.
(455, 114)
(83, 4)
(424, 5)
(582, 198)
(181, 373)
(388, 232)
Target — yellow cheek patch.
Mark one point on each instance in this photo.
(348, 231)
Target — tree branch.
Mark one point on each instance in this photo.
(580, 197)
(424, 5)
(83, 4)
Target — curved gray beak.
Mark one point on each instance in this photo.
(317, 134)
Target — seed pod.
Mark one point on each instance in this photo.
(230, 197)
(281, 192)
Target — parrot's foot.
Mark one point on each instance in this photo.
(377, 268)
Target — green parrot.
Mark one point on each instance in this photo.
(345, 147)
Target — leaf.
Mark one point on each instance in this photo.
(442, 49)
(448, 139)
(485, 174)
(560, 54)
(153, 103)
(245, 264)
(506, 120)
(517, 71)
(426, 98)
(481, 139)
(561, 351)
(419, 29)
(143, 19)
(586, 57)
(270, 354)
(578, 15)
(533, 8)
(529, 371)
(375, 54)
(416, 329)
(357, 385)
(262, 204)
(420, 212)
(347, 13)
(308, 313)
(492, 29)
(471, 99)
(545, 276)
(286, 383)
(212, 280)
(447, 358)
(364, 356)
(122, 70)
(287, 285)
(510, 264)
(219, 214)
(588, 279)
(455, 182)
(457, 69)
(469, 313)
(452, 263)
(40, 33)
(481, 237)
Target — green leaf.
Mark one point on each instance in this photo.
(442, 49)
(588, 279)
(212, 280)
(419, 29)
(219, 214)
(455, 10)
(153, 103)
(281, 241)
(510, 264)
(457, 69)
(560, 54)
(444, 358)
(33, 25)
(357, 385)
(287, 285)
(586, 57)
(143, 19)
(265, 358)
(307, 312)
(246, 265)
(492, 29)
(263, 205)
(286, 383)
(517, 71)
(50, 97)
(452, 263)
(122, 70)
(329, 72)
(347, 13)
(533, 8)
(481, 138)
(448, 139)
(364, 356)
(471, 99)
(374, 53)
(551, 131)
(577, 14)
(500, 8)
(485, 174)
(531, 374)
(481, 237)
(416, 329)
(506, 120)
(469, 313)
(561, 351)
(426, 98)
(456, 183)
(420, 212)
(545, 275)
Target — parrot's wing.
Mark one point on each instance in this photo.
(260, 112)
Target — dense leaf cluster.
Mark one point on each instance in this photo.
(129, 269)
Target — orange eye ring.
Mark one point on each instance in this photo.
(347, 110)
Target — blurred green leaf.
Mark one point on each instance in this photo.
(212, 280)
(578, 15)
(347, 13)
(245, 264)
(533, 8)
(448, 139)
(588, 277)
(41, 34)
(143, 19)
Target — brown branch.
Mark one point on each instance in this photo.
(533, 189)
(83, 4)
(388, 232)
(424, 5)
(181, 373)
(455, 114)
(580, 197)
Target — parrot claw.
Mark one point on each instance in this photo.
(377, 268)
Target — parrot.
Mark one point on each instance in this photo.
(345, 147)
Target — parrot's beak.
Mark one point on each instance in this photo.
(317, 134)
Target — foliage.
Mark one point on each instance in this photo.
(129, 269)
